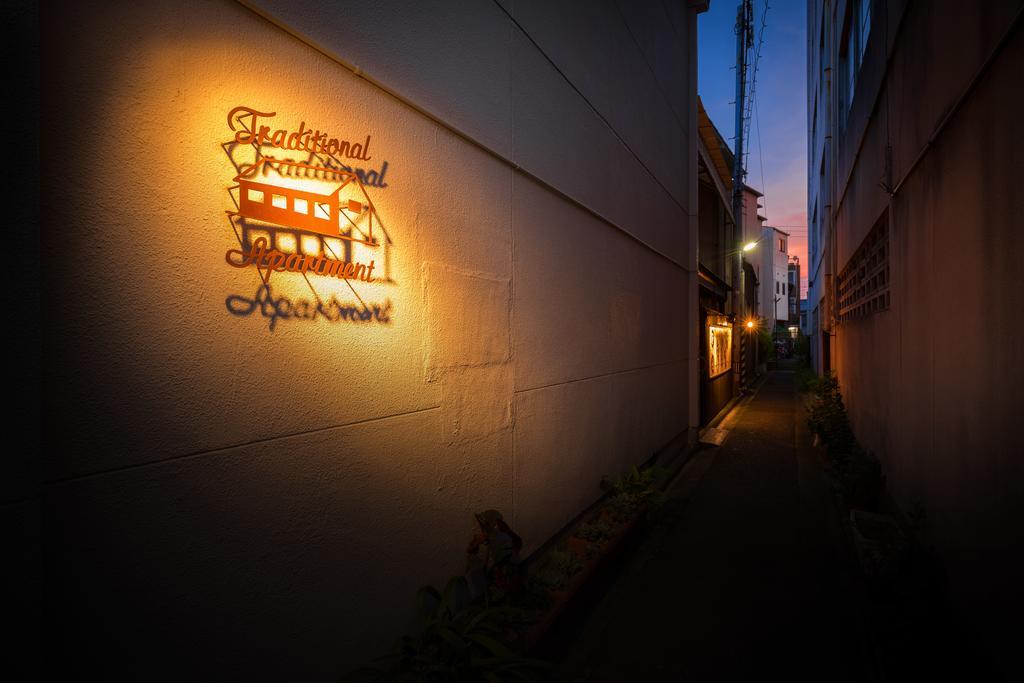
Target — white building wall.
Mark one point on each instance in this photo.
(780, 269)
(773, 276)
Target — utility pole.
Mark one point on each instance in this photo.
(744, 41)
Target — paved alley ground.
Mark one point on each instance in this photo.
(743, 578)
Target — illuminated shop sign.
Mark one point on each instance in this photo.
(319, 194)
(719, 345)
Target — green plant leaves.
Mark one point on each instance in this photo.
(858, 472)
(455, 640)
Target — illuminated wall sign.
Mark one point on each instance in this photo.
(307, 203)
(719, 345)
(321, 195)
(303, 139)
(277, 261)
(310, 141)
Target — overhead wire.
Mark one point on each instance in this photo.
(751, 104)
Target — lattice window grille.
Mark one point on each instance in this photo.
(863, 286)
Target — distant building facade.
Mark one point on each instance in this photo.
(914, 159)
(773, 254)
(793, 289)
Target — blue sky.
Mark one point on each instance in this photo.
(781, 105)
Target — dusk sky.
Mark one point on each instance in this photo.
(781, 100)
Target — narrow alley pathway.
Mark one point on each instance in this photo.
(744, 577)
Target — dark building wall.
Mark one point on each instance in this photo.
(933, 383)
(711, 231)
(715, 239)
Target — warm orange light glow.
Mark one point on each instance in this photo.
(333, 247)
(750, 324)
(287, 243)
(276, 260)
(719, 346)
(303, 195)
(310, 244)
(302, 140)
(290, 206)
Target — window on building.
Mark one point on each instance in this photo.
(782, 245)
(856, 29)
(821, 45)
(847, 73)
(814, 230)
(863, 27)
(814, 126)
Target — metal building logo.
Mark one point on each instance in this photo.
(319, 194)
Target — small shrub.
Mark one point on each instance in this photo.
(828, 416)
(765, 345)
(806, 380)
(558, 568)
(565, 562)
(858, 473)
(596, 531)
(633, 492)
(455, 640)
(802, 349)
(596, 534)
(623, 508)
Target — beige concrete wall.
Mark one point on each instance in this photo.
(265, 498)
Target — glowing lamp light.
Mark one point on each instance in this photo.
(750, 324)
(748, 246)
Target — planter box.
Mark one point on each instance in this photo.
(560, 600)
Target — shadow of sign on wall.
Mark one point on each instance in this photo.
(264, 303)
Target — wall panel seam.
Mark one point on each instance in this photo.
(359, 73)
(592, 107)
(654, 74)
(220, 449)
(601, 375)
